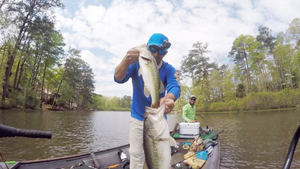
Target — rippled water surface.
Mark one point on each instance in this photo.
(256, 139)
(250, 140)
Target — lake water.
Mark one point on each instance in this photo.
(250, 140)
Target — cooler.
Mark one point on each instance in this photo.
(189, 129)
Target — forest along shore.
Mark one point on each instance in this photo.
(36, 70)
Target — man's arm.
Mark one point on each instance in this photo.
(121, 69)
(172, 88)
(130, 58)
(169, 99)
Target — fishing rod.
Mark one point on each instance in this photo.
(8, 131)
(293, 145)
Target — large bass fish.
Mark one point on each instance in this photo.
(157, 140)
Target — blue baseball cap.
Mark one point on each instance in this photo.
(159, 40)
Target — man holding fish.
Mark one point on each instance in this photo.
(151, 79)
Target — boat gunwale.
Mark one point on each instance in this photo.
(72, 156)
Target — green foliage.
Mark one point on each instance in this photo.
(98, 102)
(293, 32)
(244, 48)
(265, 74)
(31, 100)
(28, 53)
(286, 98)
(266, 39)
(78, 81)
(110, 103)
(228, 86)
(240, 91)
(196, 64)
(232, 105)
(16, 99)
(30, 68)
(183, 99)
(268, 100)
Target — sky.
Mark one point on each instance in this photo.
(104, 30)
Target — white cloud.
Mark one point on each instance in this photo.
(114, 89)
(96, 62)
(126, 23)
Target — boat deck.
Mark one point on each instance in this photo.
(213, 161)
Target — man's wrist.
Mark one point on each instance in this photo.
(170, 96)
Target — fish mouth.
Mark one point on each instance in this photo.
(145, 58)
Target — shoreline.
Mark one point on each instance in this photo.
(175, 110)
(60, 109)
(248, 111)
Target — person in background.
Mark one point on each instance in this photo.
(158, 45)
(189, 110)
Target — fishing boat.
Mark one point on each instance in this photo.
(104, 159)
(114, 157)
(101, 160)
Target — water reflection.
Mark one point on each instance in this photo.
(110, 129)
(72, 133)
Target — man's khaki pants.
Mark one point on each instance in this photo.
(136, 150)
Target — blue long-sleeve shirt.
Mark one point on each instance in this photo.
(139, 100)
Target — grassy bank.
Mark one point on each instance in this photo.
(286, 98)
(247, 111)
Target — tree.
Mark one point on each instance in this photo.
(266, 39)
(293, 32)
(87, 85)
(293, 35)
(228, 85)
(240, 91)
(78, 80)
(125, 101)
(195, 65)
(241, 51)
(51, 43)
(283, 55)
(25, 13)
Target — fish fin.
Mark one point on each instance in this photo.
(145, 165)
(161, 87)
(161, 111)
(140, 47)
(172, 141)
(140, 72)
(146, 92)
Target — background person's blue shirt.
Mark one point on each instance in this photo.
(139, 100)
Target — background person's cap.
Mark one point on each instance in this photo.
(193, 96)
